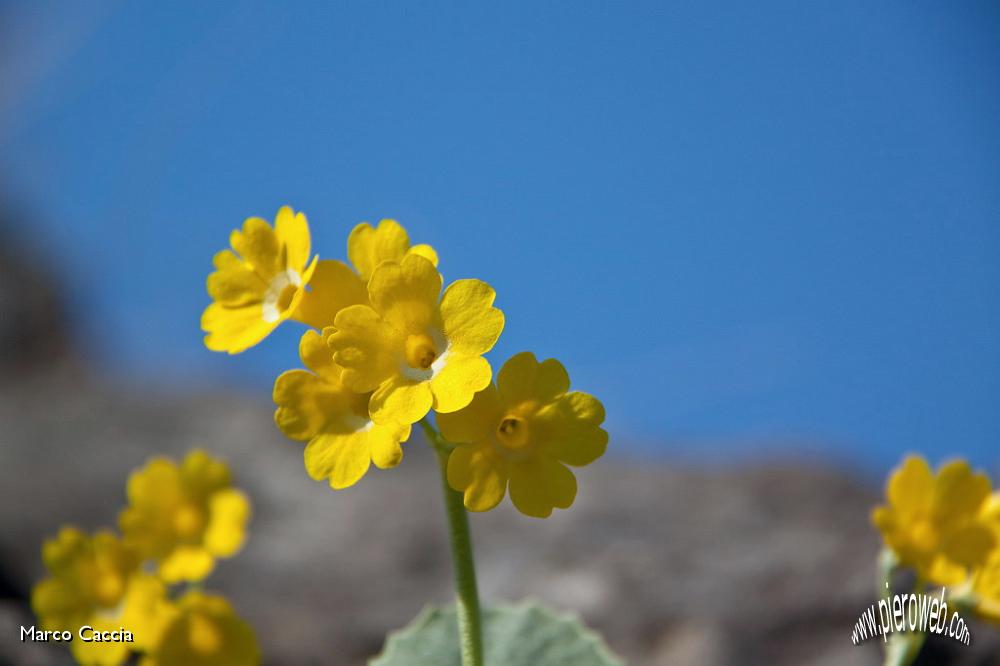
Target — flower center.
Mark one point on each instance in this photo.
(925, 536)
(420, 351)
(188, 521)
(279, 295)
(109, 589)
(513, 432)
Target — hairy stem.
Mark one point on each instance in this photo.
(470, 629)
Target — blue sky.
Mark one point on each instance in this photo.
(742, 226)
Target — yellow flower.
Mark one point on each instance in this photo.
(316, 406)
(184, 516)
(259, 285)
(413, 351)
(934, 522)
(95, 581)
(524, 431)
(205, 632)
(335, 286)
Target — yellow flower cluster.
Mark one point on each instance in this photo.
(112, 593)
(386, 347)
(945, 526)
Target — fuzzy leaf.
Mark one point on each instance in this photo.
(524, 635)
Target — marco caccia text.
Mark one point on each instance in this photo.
(86, 633)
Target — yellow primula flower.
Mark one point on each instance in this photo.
(414, 351)
(95, 581)
(259, 283)
(205, 632)
(184, 516)
(934, 522)
(335, 286)
(316, 406)
(523, 431)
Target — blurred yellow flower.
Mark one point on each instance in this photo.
(414, 351)
(96, 582)
(524, 431)
(316, 406)
(184, 516)
(335, 286)
(205, 632)
(259, 285)
(934, 522)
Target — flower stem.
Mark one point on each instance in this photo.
(469, 618)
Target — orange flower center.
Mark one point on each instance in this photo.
(108, 589)
(286, 296)
(420, 351)
(189, 521)
(513, 432)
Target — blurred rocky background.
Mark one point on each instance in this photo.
(769, 563)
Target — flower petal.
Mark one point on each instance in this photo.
(235, 285)
(229, 511)
(341, 458)
(292, 230)
(333, 287)
(911, 485)
(538, 485)
(363, 345)
(384, 443)
(969, 545)
(958, 491)
(399, 400)
(461, 377)
(471, 323)
(474, 422)
(186, 563)
(258, 245)
(318, 357)
(425, 251)
(406, 293)
(368, 247)
(234, 330)
(523, 378)
(478, 472)
(568, 428)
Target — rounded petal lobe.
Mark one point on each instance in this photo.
(425, 251)
(258, 245)
(229, 511)
(343, 459)
(911, 485)
(367, 247)
(406, 293)
(476, 471)
(458, 381)
(399, 400)
(292, 230)
(471, 323)
(384, 443)
(234, 330)
(569, 428)
(540, 485)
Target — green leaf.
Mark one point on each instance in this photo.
(524, 635)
